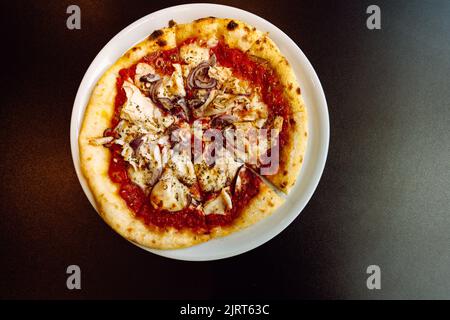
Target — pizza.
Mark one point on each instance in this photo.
(192, 134)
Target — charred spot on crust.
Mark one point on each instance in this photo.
(247, 29)
(290, 86)
(298, 90)
(283, 184)
(257, 41)
(161, 42)
(156, 34)
(172, 23)
(232, 25)
(134, 48)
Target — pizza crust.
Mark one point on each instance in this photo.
(292, 153)
(236, 33)
(260, 207)
(95, 159)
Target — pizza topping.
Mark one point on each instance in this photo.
(199, 78)
(237, 86)
(172, 86)
(241, 180)
(219, 204)
(149, 78)
(145, 75)
(200, 111)
(221, 74)
(221, 173)
(136, 143)
(224, 120)
(141, 110)
(144, 177)
(159, 100)
(153, 91)
(151, 154)
(182, 167)
(169, 193)
(251, 110)
(198, 98)
(278, 124)
(193, 54)
(101, 141)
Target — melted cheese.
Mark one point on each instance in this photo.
(151, 154)
(193, 54)
(253, 110)
(144, 177)
(214, 178)
(237, 86)
(183, 168)
(143, 69)
(221, 74)
(241, 107)
(220, 103)
(206, 108)
(251, 144)
(246, 143)
(172, 86)
(169, 193)
(140, 110)
(219, 204)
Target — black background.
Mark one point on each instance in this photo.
(383, 198)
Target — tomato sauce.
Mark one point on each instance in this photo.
(243, 66)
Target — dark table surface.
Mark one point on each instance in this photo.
(384, 197)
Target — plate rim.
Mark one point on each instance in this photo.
(92, 75)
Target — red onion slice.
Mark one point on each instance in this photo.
(149, 78)
(166, 103)
(198, 78)
(136, 143)
(154, 90)
(223, 120)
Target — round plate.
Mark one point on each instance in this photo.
(318, 134)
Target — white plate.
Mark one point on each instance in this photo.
(313, 95)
